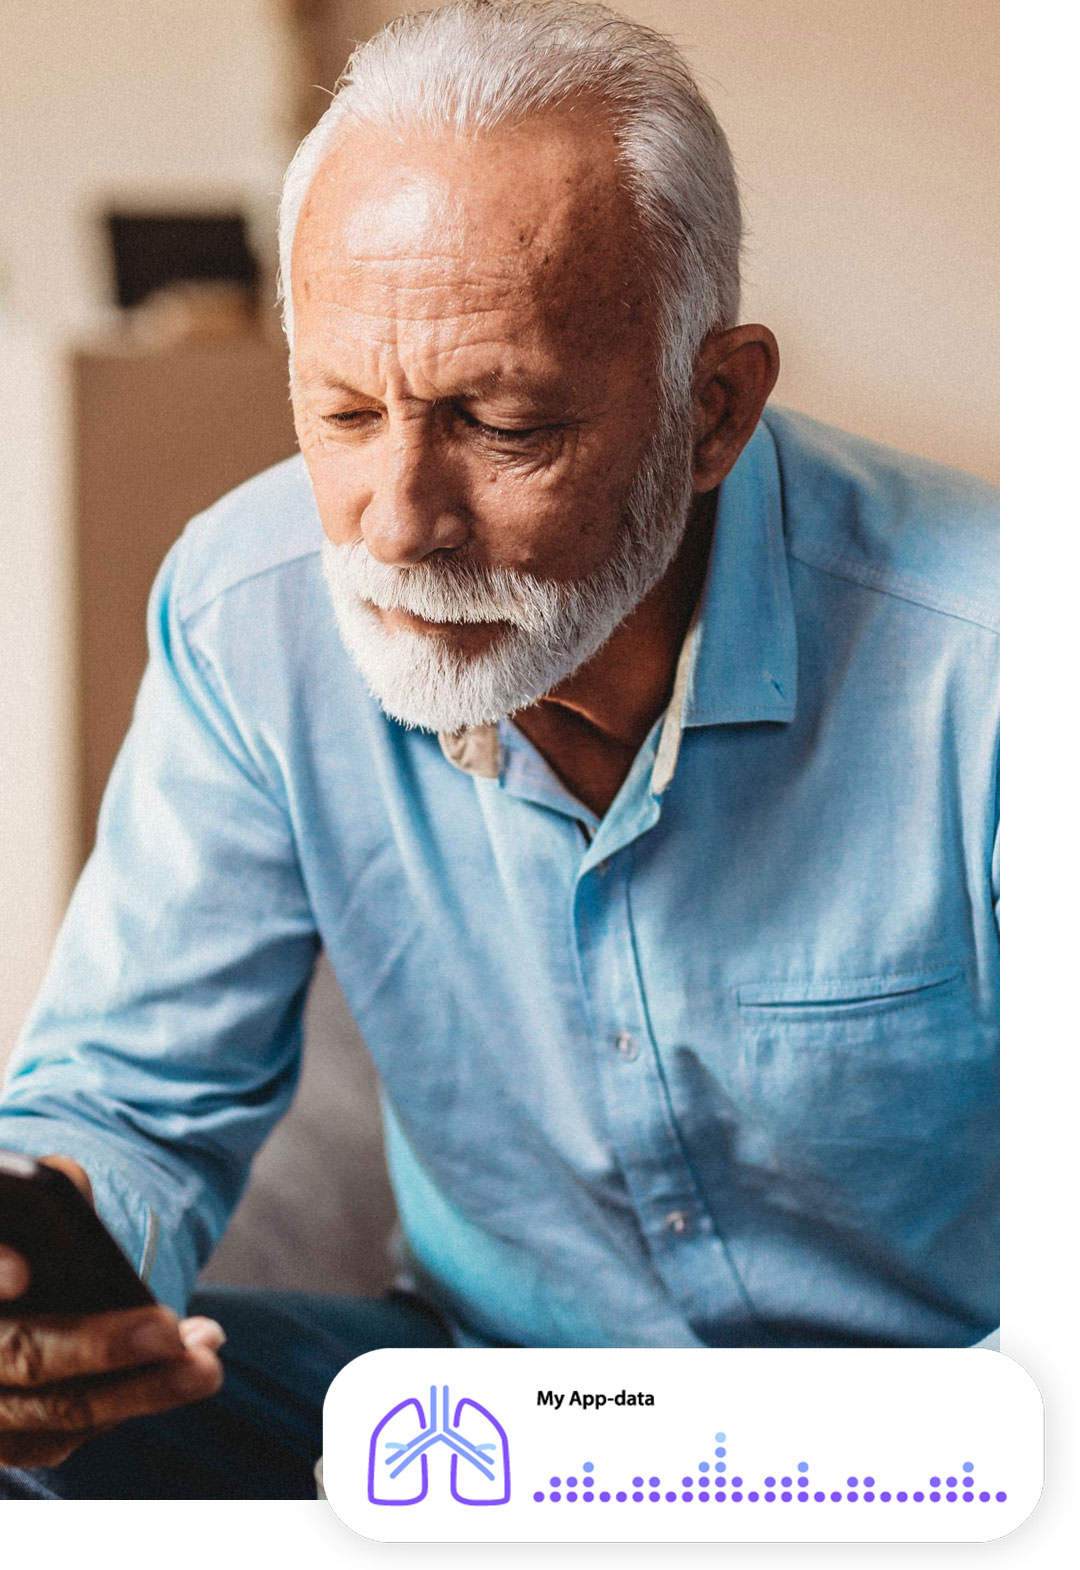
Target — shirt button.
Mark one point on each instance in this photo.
(626, 1046)
(677, 1221)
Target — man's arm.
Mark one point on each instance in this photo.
(165, 1041)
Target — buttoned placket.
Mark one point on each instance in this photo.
(678, 1229)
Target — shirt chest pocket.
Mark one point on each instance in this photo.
(895, 1058)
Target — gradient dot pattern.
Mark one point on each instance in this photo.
(775, 1488)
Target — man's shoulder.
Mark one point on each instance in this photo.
(267, 524)
(896, 524)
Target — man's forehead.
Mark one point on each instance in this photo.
(542, 195)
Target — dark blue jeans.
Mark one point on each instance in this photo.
(260, 1436)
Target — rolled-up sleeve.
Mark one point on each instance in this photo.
(165, 1041)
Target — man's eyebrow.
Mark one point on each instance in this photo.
(545, 395)
(331, 383)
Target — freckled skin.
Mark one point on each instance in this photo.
(475, 372)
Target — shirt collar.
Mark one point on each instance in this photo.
(744, 664)
(738, 659)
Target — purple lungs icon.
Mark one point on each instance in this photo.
(397, 1455)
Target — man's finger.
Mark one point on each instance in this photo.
(40, 1449)
(14, 1274)
(76, 1406)
(201, 1331)
(44, 1349)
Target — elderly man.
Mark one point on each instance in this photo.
(630, 751)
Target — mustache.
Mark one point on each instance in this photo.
(449, 589)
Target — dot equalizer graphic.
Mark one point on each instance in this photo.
(710, 1483)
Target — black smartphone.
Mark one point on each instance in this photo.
(76, 1267)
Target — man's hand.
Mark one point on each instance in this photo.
(64, 1379)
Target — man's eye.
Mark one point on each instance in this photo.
(503, 435)
(352, 417)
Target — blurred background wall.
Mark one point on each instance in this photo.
(865, 136)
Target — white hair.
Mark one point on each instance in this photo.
(469, 67)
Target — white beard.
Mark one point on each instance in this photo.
(549, 629)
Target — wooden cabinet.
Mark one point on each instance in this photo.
(157, 435)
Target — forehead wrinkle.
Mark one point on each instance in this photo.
(433, 363)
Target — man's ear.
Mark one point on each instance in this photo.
(736, 371)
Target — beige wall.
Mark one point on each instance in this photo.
(866, 139)
(153, 100)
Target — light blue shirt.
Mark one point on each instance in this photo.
(718, 1067)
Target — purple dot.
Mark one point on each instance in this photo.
(935, 1482)
(555, 1482)
(918, 1497)
(785, 1497)
(770, 1482)
(654, 1482)
(984, 1496)
(688, 1499)
(869, 1498)
(670, 1497)
(902, 1497)
(835, 1497)
(852, 1497)
(654, 1496)
(1000, 1497)
(588, 1498)
(571, 1499)
(620, 1498)
(950, 1482)
(571, 1482)
(868, 1482)
(555, 1498)
(951, 1497)
(638, 1497)
(770, 1497)
(736, 1482)
(819, 1496)
(885, 1497)
(752, 1497)
(604, 1497)
(853, 1482)
(638, 1481)
(934, 1497)
(539, 1498)
(785, 1482)
(720, 1498)
(803, 1498)
(688, 1482)
(737, 1499)
(968, 1498)
(703, 1498)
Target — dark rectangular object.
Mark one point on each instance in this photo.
(152, 250)
(76, 1266)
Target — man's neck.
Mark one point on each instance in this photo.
(590, 727)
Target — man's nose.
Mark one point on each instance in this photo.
(416, 506)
